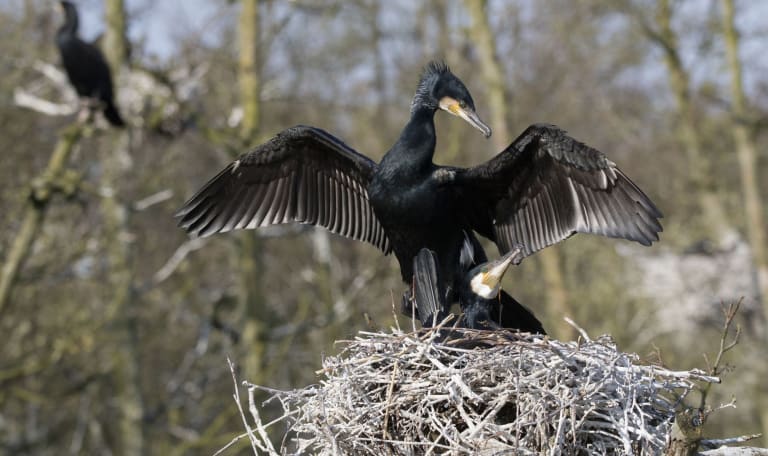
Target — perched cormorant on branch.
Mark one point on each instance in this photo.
(86, 67)
(540, 190)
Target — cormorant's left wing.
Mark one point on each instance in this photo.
(304, 175)
(547, 186)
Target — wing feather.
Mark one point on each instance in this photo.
(547, 186)
(303, 175)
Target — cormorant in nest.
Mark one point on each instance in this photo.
(86, 67)
(540, 190)
(478, 289)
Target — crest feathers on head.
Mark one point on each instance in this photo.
(435, 68)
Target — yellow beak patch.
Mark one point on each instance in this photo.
(451, 105)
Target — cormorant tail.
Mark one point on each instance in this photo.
(110, 112)
(429, 290)
(509, 313)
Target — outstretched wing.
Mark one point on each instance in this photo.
(547, 186)
(304, 175)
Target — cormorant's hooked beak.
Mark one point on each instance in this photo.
(497, 269)
(488, 281)
(465, 112)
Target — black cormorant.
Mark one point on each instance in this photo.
(85, 65)
(479, 293)
(484, 305)
(543, 188)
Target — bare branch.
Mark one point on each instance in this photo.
(249, 431)
(175, 260)
(423, 392)
(25, 99)
(715, 369)
(156, 198)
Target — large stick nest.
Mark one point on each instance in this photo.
(479, 392)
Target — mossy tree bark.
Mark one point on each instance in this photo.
(54, 179)
(115, 161)
(746, 152)
(252, 309)
(493, 77)
(712, 215)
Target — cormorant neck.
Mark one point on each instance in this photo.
(70, 23)
(416, 146)
(420, 129)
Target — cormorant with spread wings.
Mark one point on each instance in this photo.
(544, 187)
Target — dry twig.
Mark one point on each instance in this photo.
(477, 392)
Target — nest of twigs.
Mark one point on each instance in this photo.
(478, 392)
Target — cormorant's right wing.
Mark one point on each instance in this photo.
(547, 186)
(304, 175)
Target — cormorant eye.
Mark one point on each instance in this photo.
(463, 104)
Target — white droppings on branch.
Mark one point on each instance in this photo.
(25, 99)
(56, 76)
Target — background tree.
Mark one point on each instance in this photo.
(116, 326)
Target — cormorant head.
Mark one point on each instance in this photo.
(70, 14)
(440, 89)
(485, 280)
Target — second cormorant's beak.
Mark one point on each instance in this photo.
(465, 112)
(487, 282)
(496, 269)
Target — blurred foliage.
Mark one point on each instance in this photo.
(350, 68)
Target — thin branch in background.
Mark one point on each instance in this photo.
(156, 198)
(175, 260)
(715, 443)
(716, 369)
(260, 428)
(578, 328)
(248, 429)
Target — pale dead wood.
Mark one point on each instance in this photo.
(454, 391)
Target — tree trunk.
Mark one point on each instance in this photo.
(251, 306)
(52, 180)
(746, 152)
(115, 162)
(493, 77)
(115, 43)
(713, 221)
(248, 70)
(450, 144)
(490, 70)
